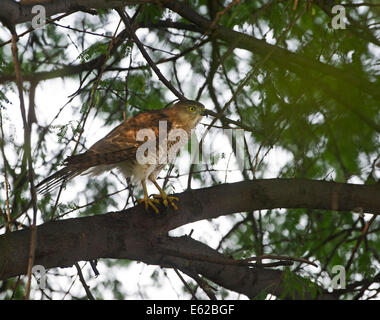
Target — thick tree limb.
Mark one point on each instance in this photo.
(13, 13)
(137, 235)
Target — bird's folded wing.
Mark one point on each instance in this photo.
(91, 158)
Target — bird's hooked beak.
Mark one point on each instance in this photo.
(204, 112)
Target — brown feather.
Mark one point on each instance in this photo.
(120, 145)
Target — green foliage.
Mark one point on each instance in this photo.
(150, 14)
(3, 99)
(93, 51)
(298, 288)
(62, 129)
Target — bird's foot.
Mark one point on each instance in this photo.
(150, 203)
(166, 200)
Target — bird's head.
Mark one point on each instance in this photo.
(189, 111)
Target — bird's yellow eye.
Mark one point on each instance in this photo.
(191, 108)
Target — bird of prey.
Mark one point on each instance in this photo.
(139, 148)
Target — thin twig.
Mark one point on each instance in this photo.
(203, 284)
(191, 291)
(361, 4)
(361, 237)
(27, 148)
(127, 21)
(220, 259)
(282, 258)
(83, 281)
(2, 143)
(31, 29)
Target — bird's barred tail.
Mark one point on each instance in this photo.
(77, 164)
(57, 178)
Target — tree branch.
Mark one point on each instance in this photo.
(123, 235)
(13, 12)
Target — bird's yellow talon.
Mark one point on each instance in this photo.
(150, 203)
(166, 200)
(174, 205)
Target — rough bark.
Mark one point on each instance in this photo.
(13, 13)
